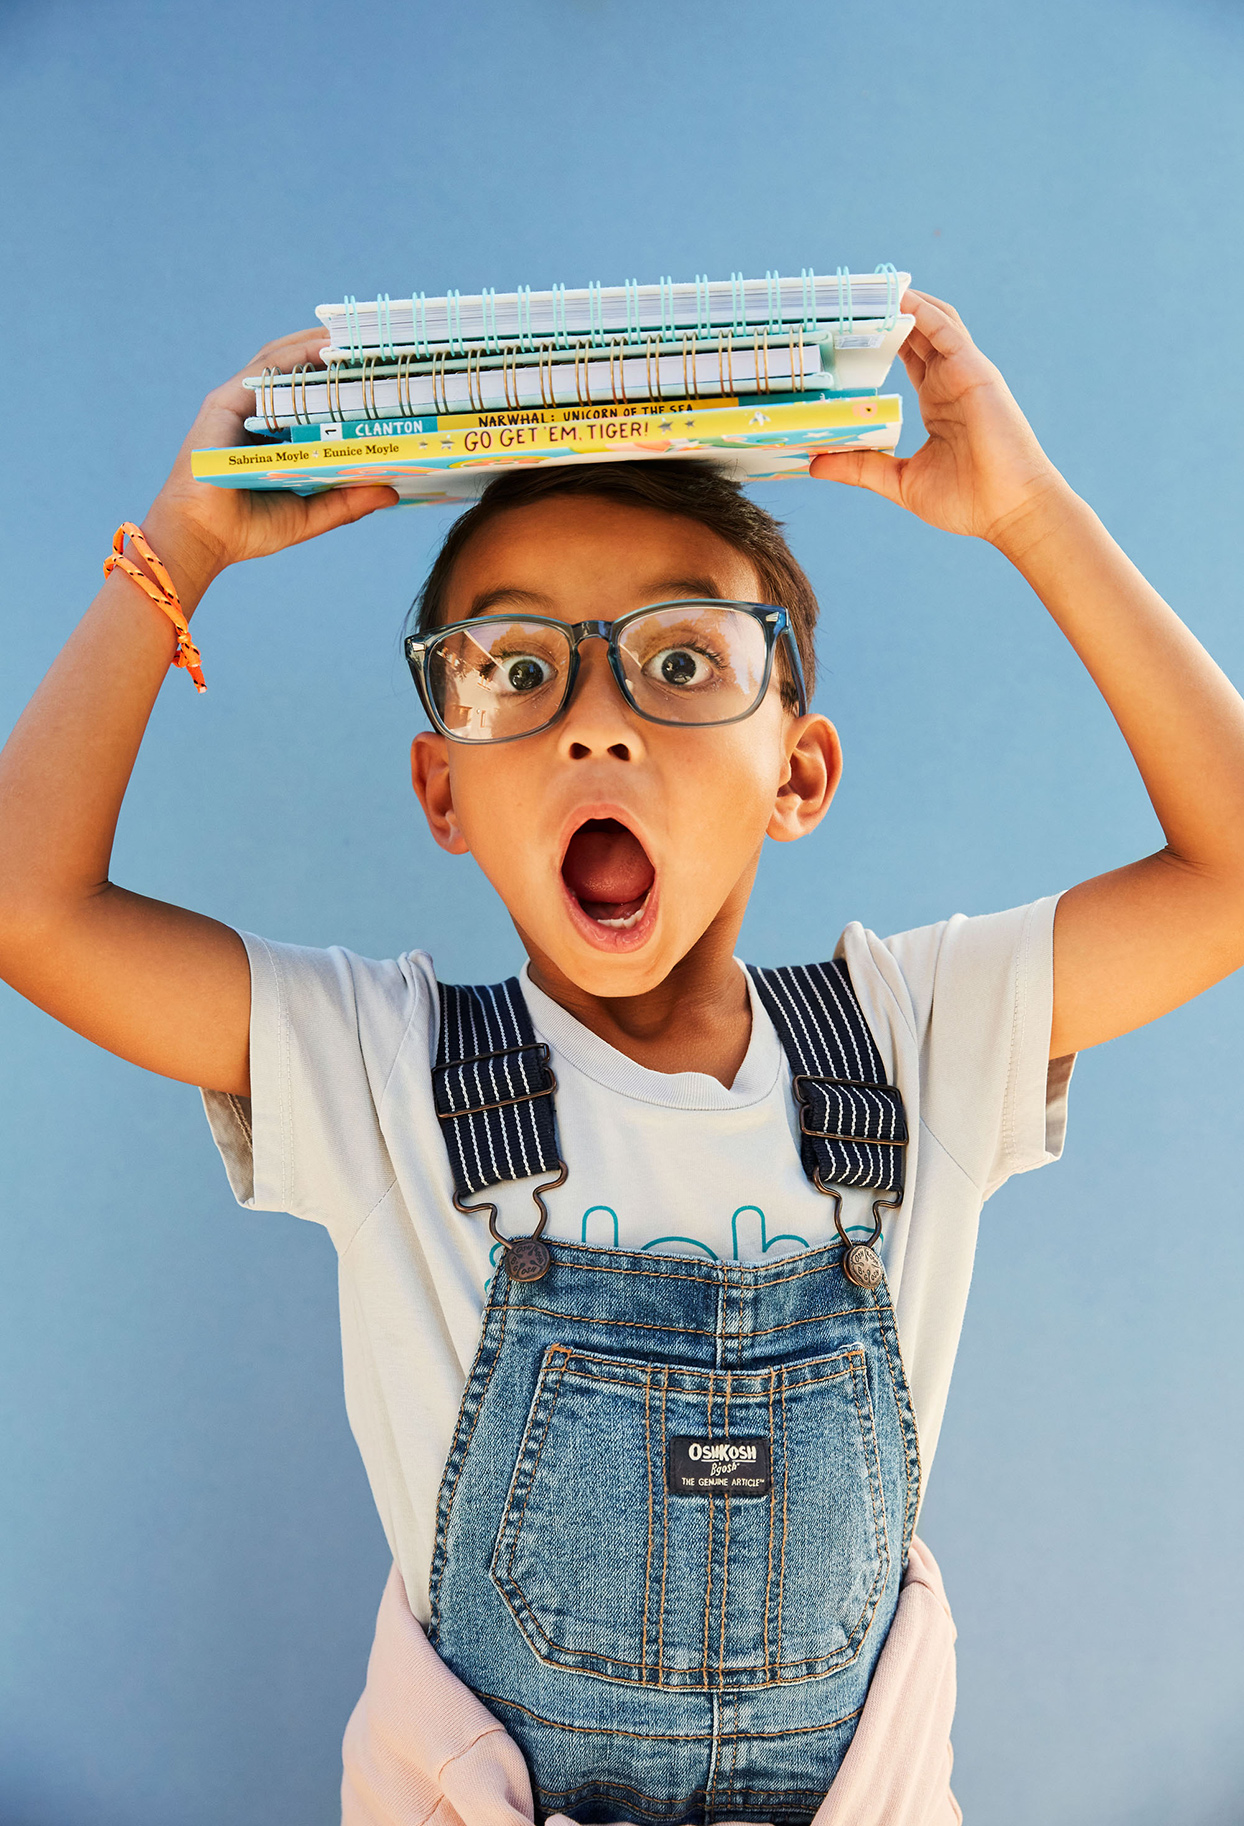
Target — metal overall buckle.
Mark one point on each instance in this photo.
(860, 1262)
(526, 1257)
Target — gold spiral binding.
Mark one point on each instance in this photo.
(298, 374)
(334, 392)
(370, 409)
(267, 399)
(548, 385)
(475, 385)
(509, 372)
(440, 393)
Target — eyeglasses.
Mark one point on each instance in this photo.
(702, 662)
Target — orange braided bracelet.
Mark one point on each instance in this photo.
(162, 593)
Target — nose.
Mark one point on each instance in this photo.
(598, 720)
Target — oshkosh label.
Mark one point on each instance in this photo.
(718, 1467)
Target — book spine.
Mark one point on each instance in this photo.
(333, 431)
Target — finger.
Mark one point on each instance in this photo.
(943, 328)
(287, 351)
(284, 354)
(916, 367)
(941, 304)
(872, 469)
(342, 506)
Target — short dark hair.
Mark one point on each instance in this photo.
(688, 488)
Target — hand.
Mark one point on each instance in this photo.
(199, 529)
(981, 470)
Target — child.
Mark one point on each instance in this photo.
(656, 1512)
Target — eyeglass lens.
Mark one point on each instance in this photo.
(689, 662)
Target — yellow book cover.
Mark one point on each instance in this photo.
(752, 443)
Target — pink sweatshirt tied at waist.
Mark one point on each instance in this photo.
(421, 1750)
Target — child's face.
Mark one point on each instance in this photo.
(617, 843)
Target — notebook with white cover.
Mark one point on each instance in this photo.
(854, 303)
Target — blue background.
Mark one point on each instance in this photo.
(189, 1560)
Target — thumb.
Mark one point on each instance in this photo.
(341, 506)
(872, 469)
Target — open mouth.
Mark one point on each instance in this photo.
(608, 873)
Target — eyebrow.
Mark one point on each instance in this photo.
(662, 589)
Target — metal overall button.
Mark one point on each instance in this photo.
(527, 1258)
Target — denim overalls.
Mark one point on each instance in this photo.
(677, 1509)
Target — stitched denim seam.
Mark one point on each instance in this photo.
(632, 1374)
(782, 1544)
(562, 1351)
(913, 1496)
(643, 1644)
(708, 1575)
(769, 1577)
(868, 1433)
(445, 1499)
(665, 1526)
(578, 1318)
(667, 1737)
(443, 1529)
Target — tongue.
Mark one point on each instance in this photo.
(607, 869)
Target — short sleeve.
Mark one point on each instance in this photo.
(978, 994)
(326, 1028)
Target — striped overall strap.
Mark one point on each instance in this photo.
(853, 1126)
(493, 1088)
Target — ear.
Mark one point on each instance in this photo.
(429, 774)
(813, 768)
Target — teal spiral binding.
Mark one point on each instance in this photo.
(488, 311)
(666, 292)
(703, 307)
(631, 289)
(419, 324)
(453, 322)
(352, 327)
(773, 300)
(738, 305)
(384, 326)
(560, 334)
(523, 294)
(846, 313)
(596, 313)
(891, 292)
(807, 279)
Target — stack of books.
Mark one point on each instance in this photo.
(435, 396)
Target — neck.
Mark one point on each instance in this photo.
(698, 1019)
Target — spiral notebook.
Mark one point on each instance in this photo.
(854, 303)
(435, 396)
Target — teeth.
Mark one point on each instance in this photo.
(627, 921)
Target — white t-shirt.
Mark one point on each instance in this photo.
(340, 1129)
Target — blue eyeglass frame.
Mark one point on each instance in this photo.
(774, 621)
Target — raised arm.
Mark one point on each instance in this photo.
(163, 987)
(1134, 943)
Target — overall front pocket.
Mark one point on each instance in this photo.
(695, 1529)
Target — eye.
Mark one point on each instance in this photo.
(522, 672)
(680, 667)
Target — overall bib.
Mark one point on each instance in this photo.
(677, 1510)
